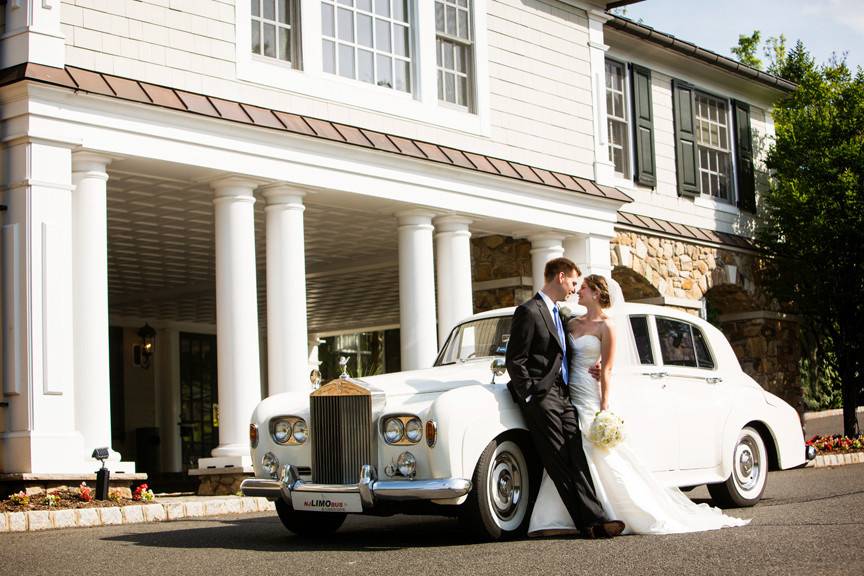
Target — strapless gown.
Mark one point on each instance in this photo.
(626, 488)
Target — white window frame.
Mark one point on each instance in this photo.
(467, 45)
(354, 45)
(293, 26)
(421, 106)
(626, 120)
(729, 150)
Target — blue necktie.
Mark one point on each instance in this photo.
(556, 317)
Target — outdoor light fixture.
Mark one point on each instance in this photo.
(147, 334)
(103, 474)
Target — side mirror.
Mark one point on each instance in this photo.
(498, 368)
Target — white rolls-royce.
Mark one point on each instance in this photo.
(450, 440)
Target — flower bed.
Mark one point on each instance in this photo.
(81, 497)
(837, 444)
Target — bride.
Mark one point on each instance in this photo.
(625, 487)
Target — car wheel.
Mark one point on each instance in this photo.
(499, 503)
(309, 524)
(745, 485)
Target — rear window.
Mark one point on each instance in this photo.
(683, 344)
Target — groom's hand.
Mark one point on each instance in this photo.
(595, 371)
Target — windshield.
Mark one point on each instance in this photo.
(476, 339)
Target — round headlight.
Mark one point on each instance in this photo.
(282, 431)
(407, 464)
(300, 431)
(414, 430)
(270, 464)
(393, 430)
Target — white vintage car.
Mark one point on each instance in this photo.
(450, 440)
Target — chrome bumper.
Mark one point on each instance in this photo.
(809, 452)
(369, 487)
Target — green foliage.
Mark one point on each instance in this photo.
(812, 215)
(746, 49)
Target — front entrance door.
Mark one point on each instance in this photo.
(199, 416)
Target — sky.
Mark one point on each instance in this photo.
(825, 26)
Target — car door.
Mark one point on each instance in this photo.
(641, 399)
(696, 387)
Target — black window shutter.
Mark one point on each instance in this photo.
(643, 127)
(745, 180)
(683, 103)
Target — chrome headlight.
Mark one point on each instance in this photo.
(290, 430)
(300, 430)
(393, 430)
(414, 430)
(407, 464)
(270, 464)
(281, 431)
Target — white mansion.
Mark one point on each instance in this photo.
(202, 200)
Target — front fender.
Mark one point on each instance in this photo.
(468, 419)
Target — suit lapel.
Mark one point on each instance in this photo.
(547, 317)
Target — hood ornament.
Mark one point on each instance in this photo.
(343, 367)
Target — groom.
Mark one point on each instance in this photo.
(537, 364)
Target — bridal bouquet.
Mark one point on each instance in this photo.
(607, 430)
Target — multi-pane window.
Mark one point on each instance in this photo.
(454, 45)
(368, 40)
(712, 139)
(275, 29)
(616, 115)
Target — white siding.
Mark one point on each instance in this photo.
(540, 110)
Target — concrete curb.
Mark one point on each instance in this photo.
(34, 520)
(826, 460)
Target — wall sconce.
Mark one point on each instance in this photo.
(143, 352)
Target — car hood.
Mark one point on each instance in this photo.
(436, 379)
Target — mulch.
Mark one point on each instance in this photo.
(66, 499)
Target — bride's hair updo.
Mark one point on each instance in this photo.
(599, 285)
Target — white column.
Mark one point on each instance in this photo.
(590, 253)
(236, 318)
(544, 247)
(287, 338)
(416, 290)
(604, 170)
(168, 370)
(39, 432)
(453, 268)
(90, 299)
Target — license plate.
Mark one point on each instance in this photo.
(324, 502)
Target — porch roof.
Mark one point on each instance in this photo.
(143, 92)
(682, 231)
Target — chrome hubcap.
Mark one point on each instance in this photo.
(505, 485)
(748, 468)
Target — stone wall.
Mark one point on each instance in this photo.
(500, 264)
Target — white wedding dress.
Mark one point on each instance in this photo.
(627, 489)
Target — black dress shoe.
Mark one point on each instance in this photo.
(608, 529)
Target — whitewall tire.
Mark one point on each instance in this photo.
(746, 484)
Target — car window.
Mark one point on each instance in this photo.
(703, 353)
(676, 342)
(643, 341)
(478, 338)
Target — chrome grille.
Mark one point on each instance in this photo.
(342, 437)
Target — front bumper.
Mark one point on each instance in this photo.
(368, 487)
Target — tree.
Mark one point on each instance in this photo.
(746, 49)
(811, 222)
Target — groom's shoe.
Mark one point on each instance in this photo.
(608, 529)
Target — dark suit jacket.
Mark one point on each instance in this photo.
(534, 353)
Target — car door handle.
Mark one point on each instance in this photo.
(713, 379)
(655, 375)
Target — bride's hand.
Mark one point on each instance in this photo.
(595, 371)
(604, 405)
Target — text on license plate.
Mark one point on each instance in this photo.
(323, 502)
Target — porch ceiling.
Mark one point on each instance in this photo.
(161, 252)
